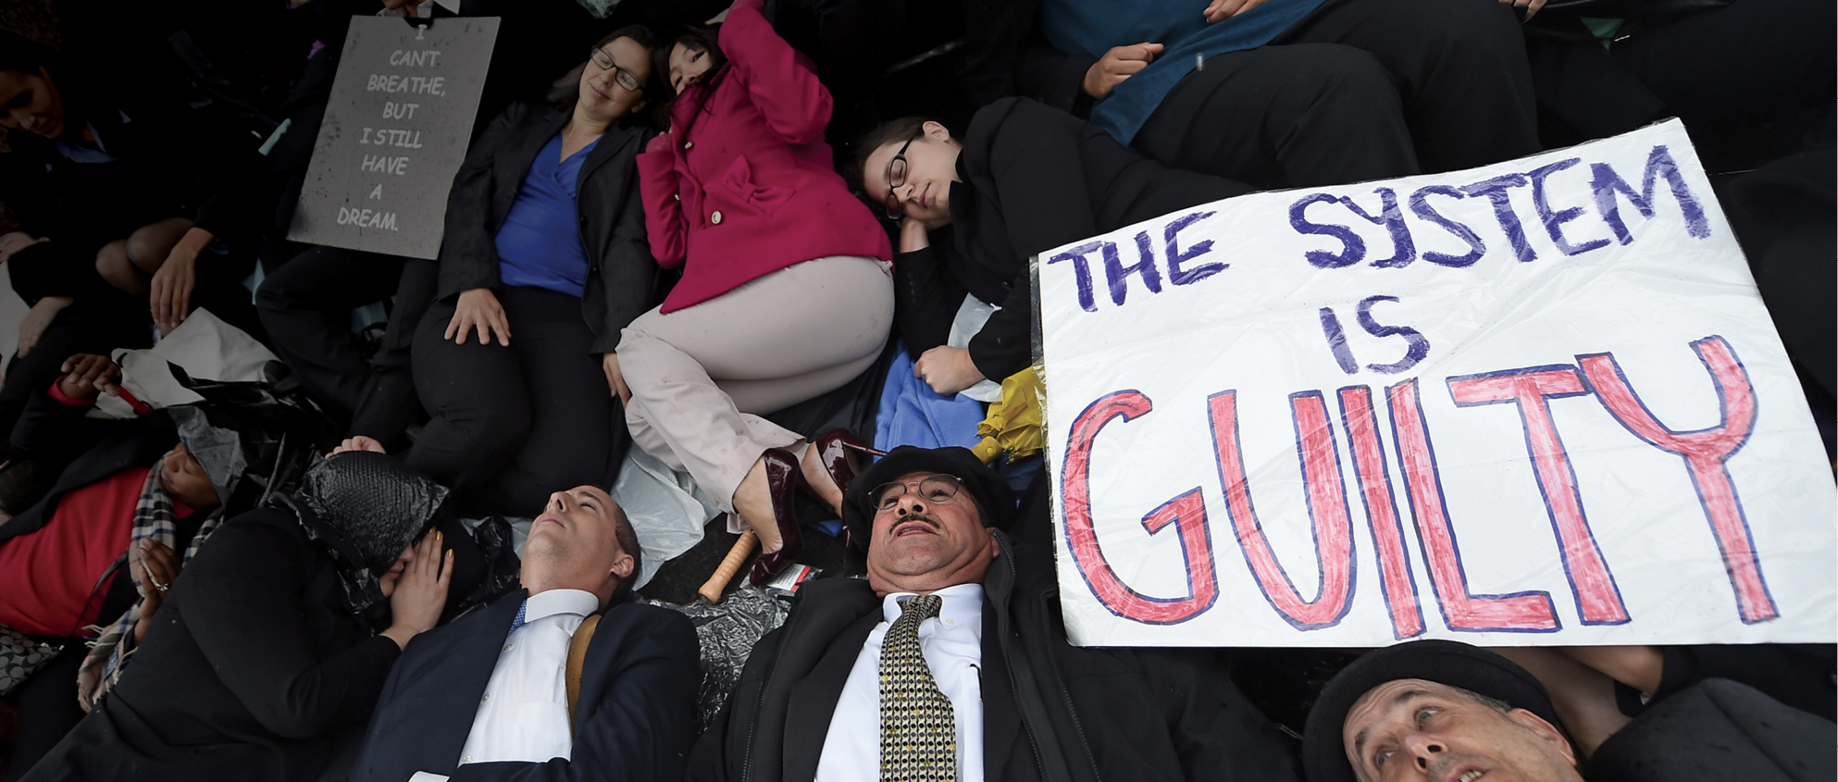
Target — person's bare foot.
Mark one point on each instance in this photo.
(820, 479)
(753, 502)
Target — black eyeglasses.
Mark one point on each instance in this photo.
(626, 78)
(933, 488)
(896, 176)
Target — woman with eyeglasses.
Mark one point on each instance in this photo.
(785, 294)
(543, 262)
(1026, 178)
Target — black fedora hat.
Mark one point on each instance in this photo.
(992, 494)
(1453, 663)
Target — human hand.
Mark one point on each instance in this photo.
(479, 308)
(408, 7)
(87, 374)
(38, 319)
(1221, 9)
(421, 593)
(947, 370)
(14, 241)
(358, 443)
(170, 299)
(158, 567)
(1120, 63)
(1531, 7)
(914, 235)
(615, 379)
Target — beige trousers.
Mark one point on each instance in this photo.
(701, 376)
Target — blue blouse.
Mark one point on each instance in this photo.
(539, 244)
(1093, 27)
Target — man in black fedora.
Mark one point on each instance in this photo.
(1450, 712)
(950, 661)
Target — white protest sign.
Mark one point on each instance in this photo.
(395, 132)
(1538, 402)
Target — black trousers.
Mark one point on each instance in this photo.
(1359, 89)
(510, 425)
(306, 307)
(1726, 71)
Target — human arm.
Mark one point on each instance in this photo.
(87, 375)
(626, 273)
(615, 379)
(781, 81)
(170, 298)
(1220, 10)
(1053, 77)
(39, 318)
(657, 181)
(247, 623)
(641, 725)
(468, 252)
(1799, 675)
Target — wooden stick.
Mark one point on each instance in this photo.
(718, 582)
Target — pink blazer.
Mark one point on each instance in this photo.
(743, 185)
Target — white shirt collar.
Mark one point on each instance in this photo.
(550, 602)
(963, 606)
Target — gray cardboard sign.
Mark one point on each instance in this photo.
(394, 134)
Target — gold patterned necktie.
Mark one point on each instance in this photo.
(918, 728)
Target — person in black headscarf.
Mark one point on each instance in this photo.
(278, 637)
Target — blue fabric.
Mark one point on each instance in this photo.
(539, 245)
(1093, 27)
(523, 610)
(912, 414)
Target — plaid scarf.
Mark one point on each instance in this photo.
(153, 520)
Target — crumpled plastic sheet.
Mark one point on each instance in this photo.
(728, 632)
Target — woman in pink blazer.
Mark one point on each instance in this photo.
(786, 292)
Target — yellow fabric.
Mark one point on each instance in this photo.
(1014, 423)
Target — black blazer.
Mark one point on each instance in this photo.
(1051, 711)
(1032, 178)
(634, 720)
(621, 273)
(248, 670)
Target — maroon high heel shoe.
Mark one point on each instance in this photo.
(783, 477)
(836, 450)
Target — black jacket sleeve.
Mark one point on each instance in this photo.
(628, 273)
(1006, 343)
(251, 630)
(1799, 675)
(1055, 78)
(925, 299)
(468, 252)
(644, 722)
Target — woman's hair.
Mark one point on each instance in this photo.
(700, 38)
(22, 54)
(895, 132)
(656, 86)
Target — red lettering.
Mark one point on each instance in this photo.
(1187, 513)
(1461, 609)
(1381, 510)
(1706, 451)
(1598, 599)
(1327, 509)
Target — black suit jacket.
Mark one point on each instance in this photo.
(1051, 711)
(1033, 178)
(634, 720)
(621, 273)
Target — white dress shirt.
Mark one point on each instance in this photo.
(523, 715)
(953, 647)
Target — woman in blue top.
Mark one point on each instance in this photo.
(543, 262)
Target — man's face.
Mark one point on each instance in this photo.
(573, 545)
(923, 542)
(184, 479)
(31, 102)
(1411, 729)
(931, 166)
